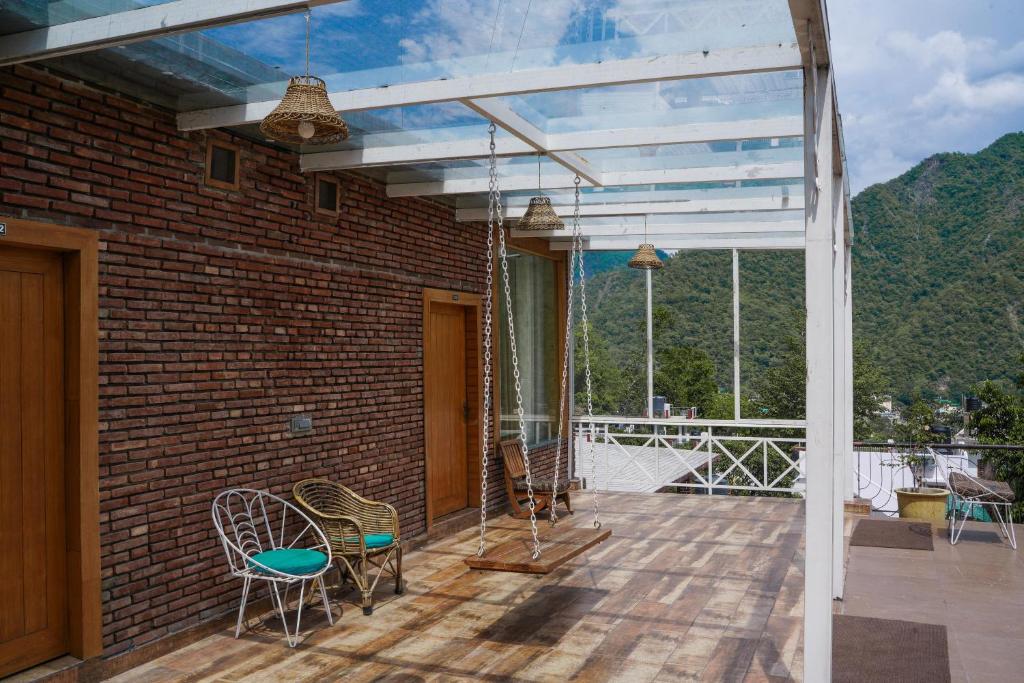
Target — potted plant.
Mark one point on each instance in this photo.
(920, 502)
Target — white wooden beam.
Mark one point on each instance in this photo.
(811, 25)
(777, 203)
(144, 23)
(747, 241)
(494, 109)
(615, 72)
(818, 264)
(611, 138)
(736, 335)
(524, 181)
(712, 131)
(635, 230)
(839, 333)
(851, 476)
(392, 155)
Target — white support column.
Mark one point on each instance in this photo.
(849, 463)
(839, 405)
(818, 287)
(736, 334)
(650, 347)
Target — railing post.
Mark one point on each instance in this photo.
(711, 458)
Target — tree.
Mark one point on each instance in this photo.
(782, 390)
(915, 426)
(607, 383)
(685, 376)
(1001, 420)
(870, 386)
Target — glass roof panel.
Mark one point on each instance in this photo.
(694, 155)
(372, 43)
(664, 103)
(643, 193)
(25, 15)
(637, 221)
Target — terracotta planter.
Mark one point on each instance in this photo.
(922, 503)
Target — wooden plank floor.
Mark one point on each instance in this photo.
(688, 587)
(558, 546)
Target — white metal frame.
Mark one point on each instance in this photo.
(524, 180)
(652, 208)
(520, 144)
(1003, 510)
(244, 526)
(143, 23)
(746, 60)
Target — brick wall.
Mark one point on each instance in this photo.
(223, 314)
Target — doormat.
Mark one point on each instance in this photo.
(893, 533)
(865, 650)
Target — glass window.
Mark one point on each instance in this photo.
(535, 313)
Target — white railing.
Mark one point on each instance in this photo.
(712, 456)
(878, 472)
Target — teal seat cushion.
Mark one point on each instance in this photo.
(373, 540)
(294, 561)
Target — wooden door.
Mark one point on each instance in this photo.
(33, 597)
(446, 410)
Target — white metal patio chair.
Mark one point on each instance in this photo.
(969, 490)
(262, 536)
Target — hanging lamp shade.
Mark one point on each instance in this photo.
(305, 115)
(540, 215)
(646, 258)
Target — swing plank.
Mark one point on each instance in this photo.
(557, 547)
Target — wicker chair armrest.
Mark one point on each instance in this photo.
(344, 533)
(378, 515)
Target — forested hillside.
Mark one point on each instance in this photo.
(938, 283)
(939, 269)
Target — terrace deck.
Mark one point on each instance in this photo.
(686, 586)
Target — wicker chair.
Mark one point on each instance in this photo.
(362, 534)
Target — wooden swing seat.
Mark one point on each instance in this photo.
(558, 546)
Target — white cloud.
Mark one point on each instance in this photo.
(953, 89)
(918, 77)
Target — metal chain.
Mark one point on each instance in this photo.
(503, 253)
(497, 220)
(578, 240)
(563, 398)
(493, 200)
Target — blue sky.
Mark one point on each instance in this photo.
(916, 77)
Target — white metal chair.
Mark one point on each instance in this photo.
(969, 490)
(262, 537)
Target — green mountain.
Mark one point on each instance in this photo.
(939, 269)
(938, 282)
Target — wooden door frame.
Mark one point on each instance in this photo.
(79, 249)
(471, 302)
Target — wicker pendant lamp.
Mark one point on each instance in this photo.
(646, 258)
(305, 115)
(540, 215)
